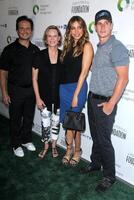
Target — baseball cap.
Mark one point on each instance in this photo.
(103, 14)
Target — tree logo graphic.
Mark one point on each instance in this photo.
(122, 4)
(35, 9)
(91, 27)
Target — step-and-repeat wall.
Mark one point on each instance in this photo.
(58, 12)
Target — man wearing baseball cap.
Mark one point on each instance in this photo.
(103, 14)
(108, 81)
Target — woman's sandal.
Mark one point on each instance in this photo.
(67, 157)
(54, 153)
(42, 153)
(76, 159)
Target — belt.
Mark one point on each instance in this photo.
(97, 96)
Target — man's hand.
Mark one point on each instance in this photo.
(107, 107)
(6, 99)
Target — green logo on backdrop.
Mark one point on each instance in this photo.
(35, 9)
(120, 6)
(9, 39)
(90, 27)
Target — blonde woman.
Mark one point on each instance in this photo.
(76, 58)
(46, 81)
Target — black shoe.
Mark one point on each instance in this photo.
(89, 169)
(105, 184)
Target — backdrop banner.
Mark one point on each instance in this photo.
(58, 12)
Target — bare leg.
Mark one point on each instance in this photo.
(69, 143)
(77, 153)
(54, 149)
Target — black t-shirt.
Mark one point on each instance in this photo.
(49, 77)
(17, 60)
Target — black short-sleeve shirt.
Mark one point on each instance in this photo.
(17, 60)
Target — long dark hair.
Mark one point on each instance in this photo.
(69, 41)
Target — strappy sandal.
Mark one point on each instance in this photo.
(67, 157)
(54, 153)
(44, 151)
(76, 159)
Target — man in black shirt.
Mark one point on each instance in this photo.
(17, 93)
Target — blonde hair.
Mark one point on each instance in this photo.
(69, 41)
(46, 32)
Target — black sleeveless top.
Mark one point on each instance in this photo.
(72, 67)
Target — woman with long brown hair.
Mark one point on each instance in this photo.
(76, 58)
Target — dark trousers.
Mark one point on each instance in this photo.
(101, 128)
(21, 112)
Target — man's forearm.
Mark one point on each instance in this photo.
(118, 91)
